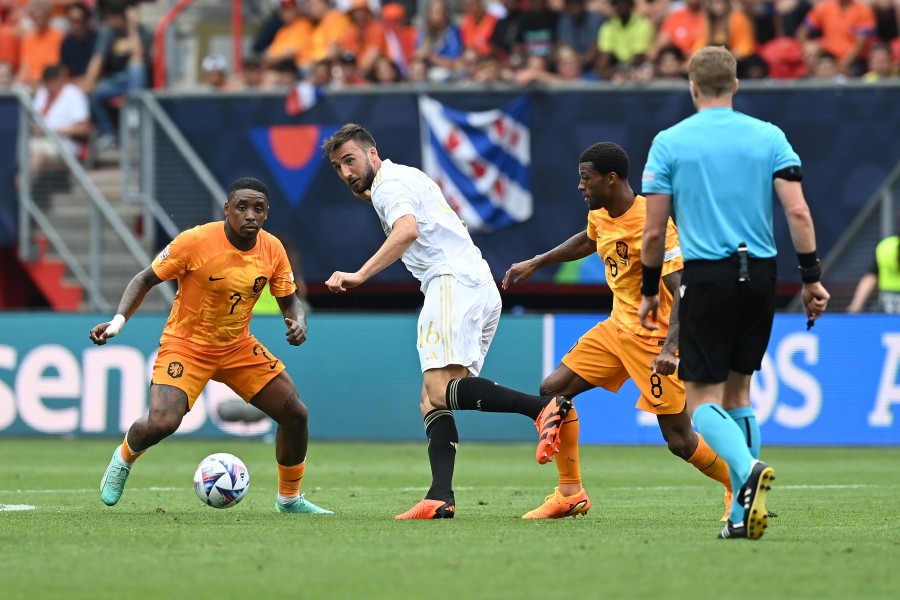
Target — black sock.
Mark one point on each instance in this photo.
(440, 427)
(477, 393)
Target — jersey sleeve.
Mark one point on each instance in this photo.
(657, 175)
(784, 155)
(282, 282)
(672, 259)
(393, 200)
(173, 261)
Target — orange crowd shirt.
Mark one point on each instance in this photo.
(619, 243)
(840, 25)
(219, 284)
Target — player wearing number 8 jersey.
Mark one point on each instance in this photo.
(221, 268)
(618, 348)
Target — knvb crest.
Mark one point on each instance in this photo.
(175, 370)
(622, 251)
(258, 284)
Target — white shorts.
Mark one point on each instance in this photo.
(457, 324)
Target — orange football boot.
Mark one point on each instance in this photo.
(557, 506)
(429, 509)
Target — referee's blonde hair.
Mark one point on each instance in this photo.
(713, 70)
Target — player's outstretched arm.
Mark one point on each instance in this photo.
(294, 317)
(404, 231)
(577, 246)
(132, 298)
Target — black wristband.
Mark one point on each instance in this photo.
(650, 280)
(811, 274)
(807, 259)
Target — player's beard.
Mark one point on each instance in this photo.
(365, 182)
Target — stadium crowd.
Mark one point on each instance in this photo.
(106, 48)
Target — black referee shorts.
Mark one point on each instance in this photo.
(725, 323)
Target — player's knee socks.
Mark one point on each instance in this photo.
(745, 417)
(725, 437)
(567, 462)
(709, 463)
(478, 393)
(128, 455)
(443, 439)
(289, 480)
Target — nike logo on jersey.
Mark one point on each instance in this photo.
(211, 278)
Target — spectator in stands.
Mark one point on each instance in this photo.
(321, 74)
(824, 66)
(215, 72)
(268, 30)
(439, 42)
(846, 26)
(887, 20)
(489, 70)
(537, 34)
(328, 27)
(881, 64)
(625, 39)
(118, 66)
(40, 47)
(346, 72)
(578, 29)
(252, 76)
(79, 43)
(282, 75)
(365, 37)
(669, 64)
(384, 71)
(292, 40)
(567, 68)
(725, 26)
(883, 275)
(654, 10)
(65, 109)
(505, 39)
(681, 28)
(418, 71)
(477, 26)
(752, 67)
(9, 38)
(399, 35)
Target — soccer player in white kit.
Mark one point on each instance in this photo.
(462, 304)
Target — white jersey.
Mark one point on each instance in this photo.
(444, 246)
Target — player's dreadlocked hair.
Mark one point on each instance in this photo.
(607, 157)
(248, 183)
(349, 132)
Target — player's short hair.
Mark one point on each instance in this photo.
(713, 69)
(607, 157)
(347, 133)
(248, 183)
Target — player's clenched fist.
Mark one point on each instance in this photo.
(341, 282)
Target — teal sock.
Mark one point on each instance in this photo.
(746, 420)
(725, 437)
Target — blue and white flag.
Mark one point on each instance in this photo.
(480, 160)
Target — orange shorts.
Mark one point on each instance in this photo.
(246, 367)
(607, 357)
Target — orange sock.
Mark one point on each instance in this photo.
(289, 480)
(709, 463)
(127, 454)
(567, 460)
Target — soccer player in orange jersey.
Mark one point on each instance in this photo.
(221, 268)
(618, 348)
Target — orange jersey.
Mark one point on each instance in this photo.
(619, 246)
(219, 284)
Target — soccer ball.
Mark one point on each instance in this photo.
(221, 480)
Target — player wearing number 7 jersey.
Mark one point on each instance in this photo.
(618, 348)
(221, 268)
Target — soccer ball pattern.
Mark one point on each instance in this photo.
(221, 480)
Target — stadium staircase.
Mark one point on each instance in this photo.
(68, 207)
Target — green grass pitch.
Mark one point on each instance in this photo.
(650, 532)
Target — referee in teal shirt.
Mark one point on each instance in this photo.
(719, 167)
